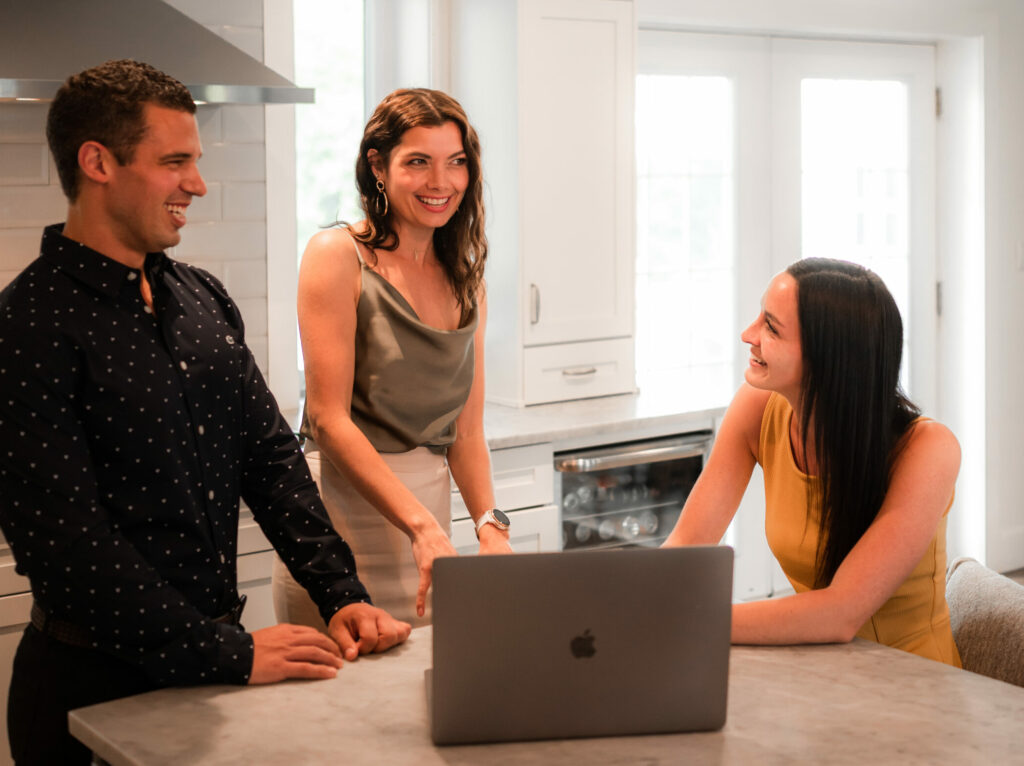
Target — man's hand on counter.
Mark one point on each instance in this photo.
(362, 629)
(296, 651)
(292, 651)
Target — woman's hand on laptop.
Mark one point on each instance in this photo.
(426, 547)
(364, 628)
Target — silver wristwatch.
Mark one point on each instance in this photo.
(495, 517)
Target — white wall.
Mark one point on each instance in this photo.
(980, 64)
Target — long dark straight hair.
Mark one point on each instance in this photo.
(852, 339)
(461, 244)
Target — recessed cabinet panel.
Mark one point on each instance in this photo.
(250, 536)
(554, 111)
(577, 170)
(523, 478)
(534, 530)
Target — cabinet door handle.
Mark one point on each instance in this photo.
(534, 304)
(579, 372)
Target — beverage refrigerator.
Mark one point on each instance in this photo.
(629, 494)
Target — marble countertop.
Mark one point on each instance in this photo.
(839, 704)
(652, 412)
(590, 422)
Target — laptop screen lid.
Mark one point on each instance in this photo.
(580, 644)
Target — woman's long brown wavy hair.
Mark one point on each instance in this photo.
(461, 244)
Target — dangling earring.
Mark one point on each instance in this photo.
(381, 194)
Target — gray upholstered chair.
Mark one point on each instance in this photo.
(987, 614)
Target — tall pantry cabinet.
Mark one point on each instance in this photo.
(549, 84)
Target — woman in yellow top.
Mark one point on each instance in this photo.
(857, 483)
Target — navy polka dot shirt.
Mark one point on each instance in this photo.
(127, 437)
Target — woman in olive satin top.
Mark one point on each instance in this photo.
(392, 311)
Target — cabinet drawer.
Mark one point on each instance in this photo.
(15, 610)
(10, 581)
(523, 478)
(250, 537)
(533, 530)
(255, 566)
(578, 370)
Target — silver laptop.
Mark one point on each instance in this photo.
(580, 644)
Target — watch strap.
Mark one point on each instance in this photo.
(490, 517)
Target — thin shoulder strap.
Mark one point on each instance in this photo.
(357, 244)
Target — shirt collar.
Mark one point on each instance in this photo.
(88, 266)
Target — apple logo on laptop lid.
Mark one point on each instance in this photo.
(583, 645)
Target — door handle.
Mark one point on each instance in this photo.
(534, 304)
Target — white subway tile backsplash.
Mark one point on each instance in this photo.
(243, 123)
(233, 162)
(225, 240)
(29, 206)
(246, 279)
(244, 201)
(216, 268)
(254, 312)
(258, 345)
(209, 207)
(19, 246)
(24, 164)
(23, 122)
(211, 126)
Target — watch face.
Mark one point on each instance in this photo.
(500, 516)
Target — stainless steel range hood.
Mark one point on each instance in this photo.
(42, 42)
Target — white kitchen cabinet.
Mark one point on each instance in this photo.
(524, 489)
(549, 86)
(255, 560)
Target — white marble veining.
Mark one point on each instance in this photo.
(841, 704)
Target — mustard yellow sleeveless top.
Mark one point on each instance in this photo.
(916, 618)
(410, 380)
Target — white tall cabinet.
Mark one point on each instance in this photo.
(549, 86)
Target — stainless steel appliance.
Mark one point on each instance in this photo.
(630, 494)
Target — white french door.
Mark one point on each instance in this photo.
(754, 152)
(853, 174)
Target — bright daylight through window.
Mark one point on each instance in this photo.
(329, 58)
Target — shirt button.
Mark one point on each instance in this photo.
(147, 309)
(210, 494)
(132, 276)
(201, 430)
(182, 365)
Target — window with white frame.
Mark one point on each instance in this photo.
(753, 152)
(329, 58)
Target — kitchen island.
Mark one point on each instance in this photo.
(839, 704)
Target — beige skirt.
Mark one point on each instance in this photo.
(383, 553)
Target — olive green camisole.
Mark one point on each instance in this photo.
(411, 380)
